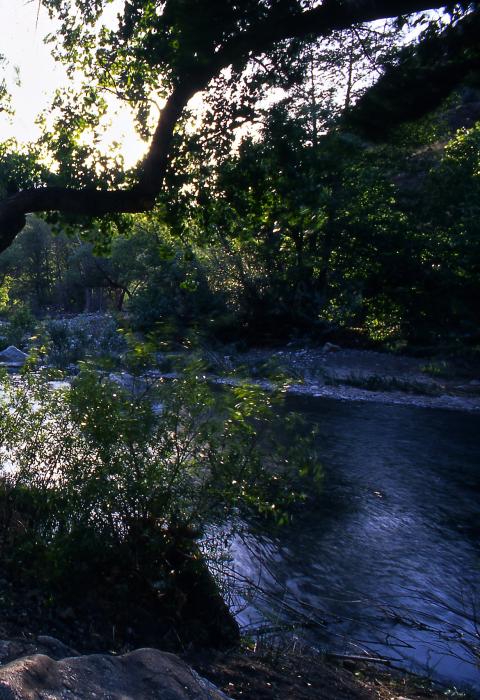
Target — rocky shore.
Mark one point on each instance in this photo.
(361, 375)
(43, 668)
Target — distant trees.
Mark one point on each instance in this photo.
(50, 272)
(149, 274)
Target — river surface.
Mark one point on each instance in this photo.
(389, 559)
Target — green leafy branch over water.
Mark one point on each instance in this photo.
(107, 491)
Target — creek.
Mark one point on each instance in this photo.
(389, 558)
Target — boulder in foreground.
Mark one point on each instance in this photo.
(143, 674)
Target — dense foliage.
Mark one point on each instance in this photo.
(285, 237)
(118, 487)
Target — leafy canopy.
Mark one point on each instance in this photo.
(168, 52)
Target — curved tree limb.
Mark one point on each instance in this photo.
(331, 15)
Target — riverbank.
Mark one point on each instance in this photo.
(328, 370)
(359, 375)
(262, 675)
(44, 667)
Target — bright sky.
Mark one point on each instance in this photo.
(21, 42)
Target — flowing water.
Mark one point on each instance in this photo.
(390, 558)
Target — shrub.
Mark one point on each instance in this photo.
(109, 494)
(70, 341)
(21, 324)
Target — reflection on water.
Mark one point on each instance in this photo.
(391, 557)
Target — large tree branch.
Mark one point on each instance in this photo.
(330, 16)
(420, 81)
(86, 201)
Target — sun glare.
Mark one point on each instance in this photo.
(32, 77)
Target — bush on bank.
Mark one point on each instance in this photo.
(105, 493)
